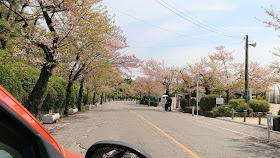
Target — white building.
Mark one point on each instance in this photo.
(274, 95)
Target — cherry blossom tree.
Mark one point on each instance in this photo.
(44, 30)
(274, 23)
(159, 72)
(260, 77)
(148, 86)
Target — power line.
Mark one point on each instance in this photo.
(161, 27)
(197, 24)
(182, 45)
(217, 27)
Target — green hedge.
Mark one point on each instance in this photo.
(259, 105)
(28, 77)
(224, 109)
(84, 96)
(61, 94)
(50, 99)
(208, 102)
(74, 95)
(10, 82)
(183, 104)
(238, 104)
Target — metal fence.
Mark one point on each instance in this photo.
(269, 125)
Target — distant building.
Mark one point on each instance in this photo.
(273, 96)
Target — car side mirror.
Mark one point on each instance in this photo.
(115, 149)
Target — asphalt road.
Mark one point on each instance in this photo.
(166, 134)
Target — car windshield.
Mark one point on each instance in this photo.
(174, 78)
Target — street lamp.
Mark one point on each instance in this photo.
(246, 95)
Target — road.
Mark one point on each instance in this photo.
(166, 134)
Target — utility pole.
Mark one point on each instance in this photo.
(246, 95)
(197, 80)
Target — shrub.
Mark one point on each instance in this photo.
(74, 95)
(50, 99)
(259, 105)
(208, 102)
(153, 103)
(241, 107)
(10, 82)
(59, 84)
(61, 94)
(259, 98)
(84, 96)
(183, 104)
(28, 77)
(146, 102)
(224, 109)
(193, 102)
(238, 104)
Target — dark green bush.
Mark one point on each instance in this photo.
(74, 94)
(154, 103)
(28, 77)
(59, 84)
(50, 99)
(183, 104)
(61, 94)
(241, 107)
(146, 102)
(193, 102)
(259, 105)
(238, 104)
(85, 96)
(10, 82)
(224, 109)
(208, 102)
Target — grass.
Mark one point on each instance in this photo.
(69, 116)
(84, 110)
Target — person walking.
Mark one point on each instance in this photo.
(168, 104)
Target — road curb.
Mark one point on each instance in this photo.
(242, 123)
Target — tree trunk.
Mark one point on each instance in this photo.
(80, 98)
(101, 101)
(68, 97)
(207, 91)
(87, 96)
(227, 97)
(140, 98)
(94, 95)
(167, 92)
(37, 94)
(3, 43)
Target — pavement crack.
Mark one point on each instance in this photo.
(82, 149)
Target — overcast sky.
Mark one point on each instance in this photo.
(154, 31)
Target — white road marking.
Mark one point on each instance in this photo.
(248, 135)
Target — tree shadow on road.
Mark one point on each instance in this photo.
(256, 147)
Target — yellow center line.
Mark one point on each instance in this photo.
(168, 136)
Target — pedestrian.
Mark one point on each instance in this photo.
(168, 104)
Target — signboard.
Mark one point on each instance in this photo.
(196, 77)
(220, 101)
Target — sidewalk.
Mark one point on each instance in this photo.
(253, 121)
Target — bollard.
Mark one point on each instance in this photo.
(245, 113)
(232, 114)
(260, 117)
(192, 110)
